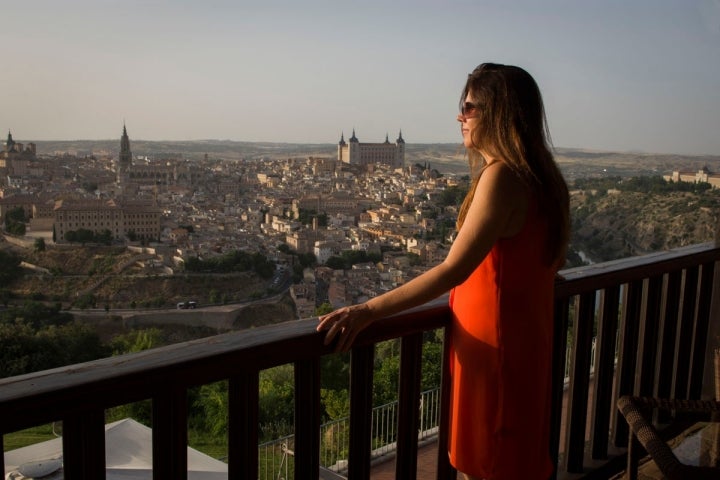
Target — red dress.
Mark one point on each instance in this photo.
(500, 360)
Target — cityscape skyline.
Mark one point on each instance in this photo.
(616, 77)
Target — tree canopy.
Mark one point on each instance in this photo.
(9, 267)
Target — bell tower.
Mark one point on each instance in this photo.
(125, 157)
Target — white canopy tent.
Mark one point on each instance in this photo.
(128, 456)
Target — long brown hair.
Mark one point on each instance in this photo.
(511, 126)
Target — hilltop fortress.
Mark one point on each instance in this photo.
(701, 176)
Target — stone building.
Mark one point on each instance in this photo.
(356, 153)
(132, 174)
(701, 176)
(123, 219)
(15, 157)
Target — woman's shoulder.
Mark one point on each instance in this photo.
(502, 176)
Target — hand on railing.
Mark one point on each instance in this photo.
(345, 323)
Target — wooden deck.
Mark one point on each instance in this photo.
(426, 466)
(428, 452)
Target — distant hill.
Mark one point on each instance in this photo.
(445, 157)
(613, 224)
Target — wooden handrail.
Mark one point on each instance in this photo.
(678, 284)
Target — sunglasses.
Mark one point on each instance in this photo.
(468, 109)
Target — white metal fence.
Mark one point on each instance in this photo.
(276, 457)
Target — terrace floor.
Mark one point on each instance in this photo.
(426, 464)
(428, 454)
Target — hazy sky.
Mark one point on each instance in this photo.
(616, 74)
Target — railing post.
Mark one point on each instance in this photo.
(701, 354)
(713, 332)
(686, 327)
(169, 434)
(627, 359)
(668, 334)
(307, 418)
(84, 445)
(445, 471)
(559, 357)
(604, 371)
(361, 380)
(579, 383)
(649, 335)
(243, 395)
(408, 406)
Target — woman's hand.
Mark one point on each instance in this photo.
(345, 323)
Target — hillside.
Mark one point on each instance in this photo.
(618, 224)
(116, 277)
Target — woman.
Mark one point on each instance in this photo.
(511, 241)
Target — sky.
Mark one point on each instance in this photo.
(616, 75)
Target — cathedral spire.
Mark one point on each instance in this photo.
(125, 157)
(10, 144)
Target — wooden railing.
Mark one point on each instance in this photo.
(661, 304)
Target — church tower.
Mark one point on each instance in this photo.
(125, 157)
(10, 144)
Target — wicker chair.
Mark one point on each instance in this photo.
(637, 412)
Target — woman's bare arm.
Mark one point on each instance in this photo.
(497, 210)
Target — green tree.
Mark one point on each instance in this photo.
(262, 266)
(323, 309)
(25, 348)
(453, 196)
(213, 296)
(336, 403)
(211, 407)
(87, 300)
(39, 244)
(5, 295)
(9, 267)
(104, 237)
(16, 228)
(336, 263)
(307, 260)
(276, 401)
(15, 215)
(85, 236)
(137, 341)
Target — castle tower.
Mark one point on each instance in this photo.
(341, 147)
(354, 150)
(400, 151)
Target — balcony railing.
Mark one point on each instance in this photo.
(655, 311)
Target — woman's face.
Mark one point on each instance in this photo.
(468, 118)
